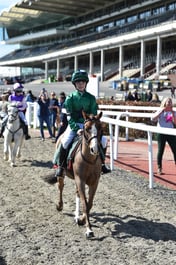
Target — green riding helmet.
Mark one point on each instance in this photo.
(80, 75)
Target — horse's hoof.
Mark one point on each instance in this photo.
(59, 208)
(89, 234)
(79, 222)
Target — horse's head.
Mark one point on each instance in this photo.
(92, 131)
(12, 113)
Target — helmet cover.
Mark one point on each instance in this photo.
(80, 75)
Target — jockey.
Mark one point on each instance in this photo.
(76, 102)
(17, 98)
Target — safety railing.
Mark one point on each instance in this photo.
(112, 115)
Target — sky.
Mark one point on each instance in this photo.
(5, 49)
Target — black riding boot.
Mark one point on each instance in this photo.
(3, 125)
(25, 130)
(2, 130)
(62, 162)
(104, 169)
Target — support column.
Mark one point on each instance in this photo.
(46, 70)
(142, 71)
(120, 61)
(58, 69)
(102, 65)
(158, 56)
(91, 63)
(76, 62)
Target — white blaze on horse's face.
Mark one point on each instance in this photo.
(94, 140)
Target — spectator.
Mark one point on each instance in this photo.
(53, 105)
(149, 95)
(130, 97)
(62, 116)
(155, 98)
(166, 118)
(43, 113)
(172, 92)
(4, 105)
(30, 97)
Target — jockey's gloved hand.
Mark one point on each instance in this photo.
(18, 104)
(80, 132)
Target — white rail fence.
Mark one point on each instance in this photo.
(112, 115)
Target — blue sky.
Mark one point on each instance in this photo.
(4, 49)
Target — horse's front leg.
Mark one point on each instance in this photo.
(60, 188)
(13, 154)
(92, 191)
(77, 207)
(19, 146)
(6, 151)
(85, 216)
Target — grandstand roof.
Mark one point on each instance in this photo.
(38, 12)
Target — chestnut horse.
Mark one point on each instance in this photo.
(86, 170)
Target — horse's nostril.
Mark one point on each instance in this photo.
(93, 151)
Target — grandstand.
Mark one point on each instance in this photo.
(110, 38)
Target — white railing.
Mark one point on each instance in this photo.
(31, 114)
(112, 117)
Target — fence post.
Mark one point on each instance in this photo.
(150, 155)
(127, 129)
(111, 147)
(29, 113)
(116, 136)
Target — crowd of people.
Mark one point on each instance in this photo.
(148, 96)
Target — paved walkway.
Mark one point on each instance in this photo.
(133, 156)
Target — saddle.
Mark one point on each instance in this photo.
(72, 151)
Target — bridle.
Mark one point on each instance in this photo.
(88, 140)
(14, 118)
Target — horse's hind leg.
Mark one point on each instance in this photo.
(60, 187)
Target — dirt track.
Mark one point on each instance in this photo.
(132, 224)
